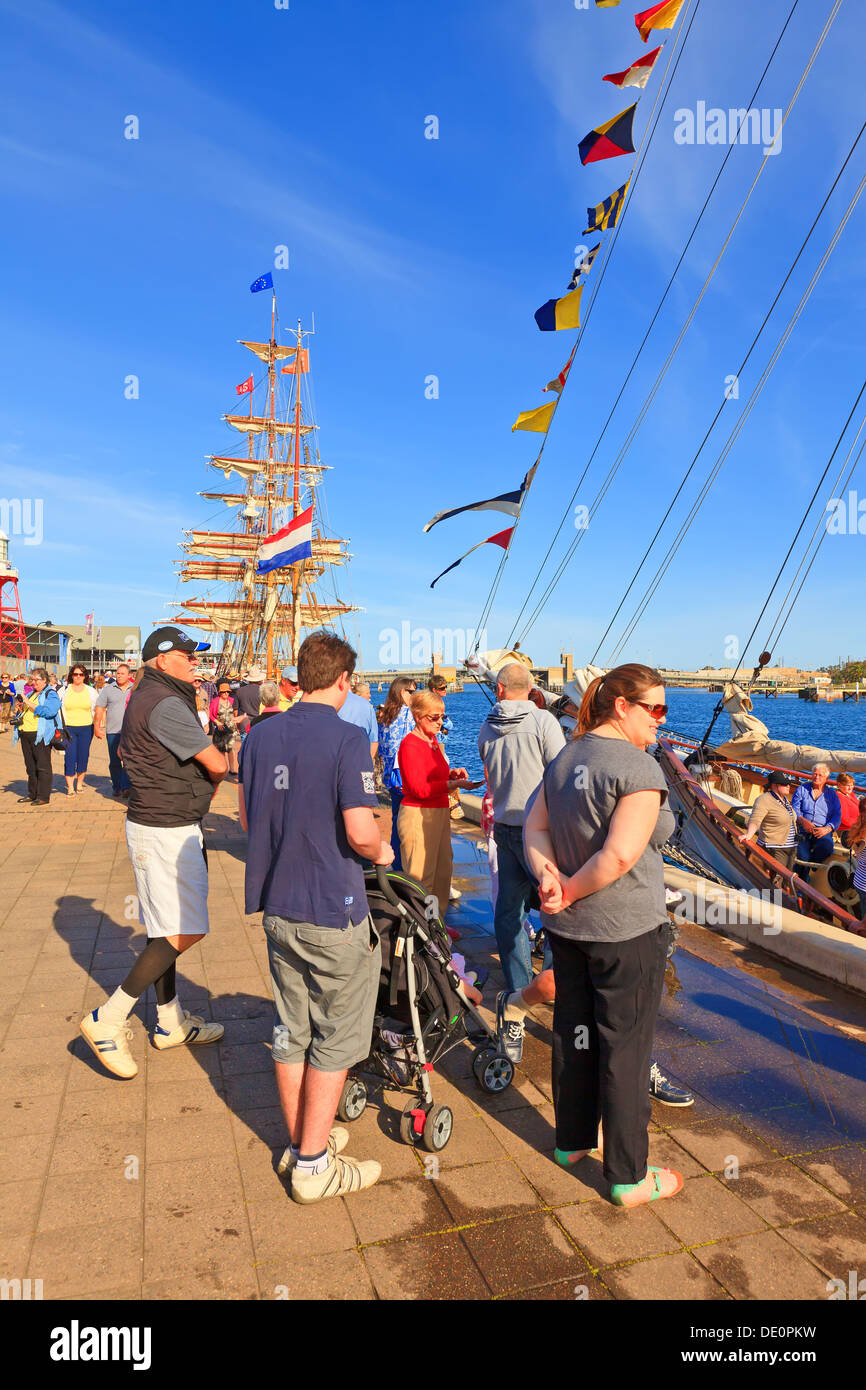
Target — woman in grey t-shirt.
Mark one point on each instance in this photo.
(594, 837)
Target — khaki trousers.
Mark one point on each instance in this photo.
(425, 847)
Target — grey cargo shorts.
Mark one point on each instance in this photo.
(324, 981)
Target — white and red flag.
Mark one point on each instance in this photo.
(244, 387)
(502, 538)
(88, 624)
(559, 381)
(638, 74)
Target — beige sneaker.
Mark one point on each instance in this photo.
(337, 1141)
(341, 1177)
(192, 1030)
(110, 1045)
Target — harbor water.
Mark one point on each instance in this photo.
(837, 725)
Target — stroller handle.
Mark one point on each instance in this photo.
(385, 886)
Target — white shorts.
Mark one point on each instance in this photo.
(170, 878)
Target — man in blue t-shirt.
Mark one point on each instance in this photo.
(307, 797)
(360, 712)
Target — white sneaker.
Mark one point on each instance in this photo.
(341, 1177)
(192, 1030)
(455, 895)
(110, 1045)
(337, 1141)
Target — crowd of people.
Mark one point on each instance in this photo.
(800, 823)
(572, 821)
(575, 829)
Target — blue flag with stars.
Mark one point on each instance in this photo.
(264, 282)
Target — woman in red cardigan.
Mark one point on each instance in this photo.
(424, 818)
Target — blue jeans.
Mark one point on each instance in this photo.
(396, 798)
(512, 905)
(116, 770)
(815, 848)
(77, 749)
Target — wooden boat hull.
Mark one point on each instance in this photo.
(712, 839)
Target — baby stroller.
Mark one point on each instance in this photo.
(422, 1013)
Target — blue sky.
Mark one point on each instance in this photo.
(261, 127)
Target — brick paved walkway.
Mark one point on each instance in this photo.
(181, 1160)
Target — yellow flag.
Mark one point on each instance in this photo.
(537, 420)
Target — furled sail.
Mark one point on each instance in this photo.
(751, 739)
(259, 424)
(237, 617)
(248, 468)
(263, 350)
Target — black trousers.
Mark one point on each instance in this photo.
(37, 761)
(607, 1002)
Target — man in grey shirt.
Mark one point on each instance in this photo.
(516, 742)
(108, 719)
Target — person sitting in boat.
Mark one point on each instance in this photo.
(848, 802)
(857, 844)
(818, 814)
(773, 821)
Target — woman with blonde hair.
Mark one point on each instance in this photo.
(79, 709)
(424, 818)
(594, 838)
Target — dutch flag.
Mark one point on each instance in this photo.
(287, 546)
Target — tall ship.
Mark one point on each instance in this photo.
(271, 575)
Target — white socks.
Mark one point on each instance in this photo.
(312, 1166)
(515, 1009)
(169, 1016)
(117, 1009)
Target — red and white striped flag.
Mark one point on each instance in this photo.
(638, 74)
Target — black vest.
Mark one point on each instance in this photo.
(165, 791)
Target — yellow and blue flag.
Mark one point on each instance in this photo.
(606, 214)
(560, 313)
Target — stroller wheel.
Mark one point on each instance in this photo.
(493, 1071)
(353, 1099)
(437, 1128)
(409, 1133)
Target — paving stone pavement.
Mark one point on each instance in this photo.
(165, 1187)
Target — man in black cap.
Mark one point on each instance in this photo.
(174, 771)
(773, 821)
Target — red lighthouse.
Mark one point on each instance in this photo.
(13, 640)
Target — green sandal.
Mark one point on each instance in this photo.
(619, 1190)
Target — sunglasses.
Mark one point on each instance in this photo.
(437, 718)
(654, 711)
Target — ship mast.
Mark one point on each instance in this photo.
(296, 499)
(266, 615)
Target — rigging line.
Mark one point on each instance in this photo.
(642, 151)
(818, 546)
(734, 435)
(839, 485)
(696, 505)
(738, 373)
(552, 584)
